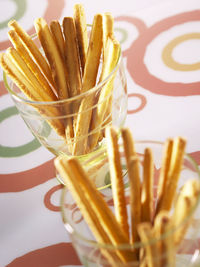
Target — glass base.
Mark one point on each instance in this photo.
(95, 165)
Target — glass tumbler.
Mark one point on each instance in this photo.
(94, 254)
(48, 120)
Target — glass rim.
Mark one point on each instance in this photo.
(136, 245)
(68, 100)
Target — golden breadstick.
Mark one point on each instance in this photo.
(135, 196)
(147, 187)
(57, 34)
(146, 234)
(53, 56)
(178, 152)
(86, 210)
(117, 179)
(190, 188)
(22, 50)
(72, 59)
(94, 53)
(164, 172)
(35, 52)
(58, 37)
(132, 164)
(108, 32)
(57, 67)
(89, 81)
(72, 63)
(22, 66)
(143, 258)
(184, 205)
(166, 251)
(26, 87)
(108, 22)
(88, 197)
(82, 126)
(128, 144)
(81, 32)
(111, 59)
(19, 79)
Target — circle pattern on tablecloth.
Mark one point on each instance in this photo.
(125, 31)
(21, 6)
(141, 105)
(173, 54)
(142, 74)
(123, 34)
(6, 151)
(149, 83)
(169, 48)
(49, 10)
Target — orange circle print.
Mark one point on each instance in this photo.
(136, 52)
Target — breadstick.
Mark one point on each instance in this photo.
(72, 56)
(166, 251)
(178, 151)
(89, 81)
(22, 66)
(143, 258)
(112, 53)
(128, 144)
(146, 234)
(86, 195)
(117, 179)
(94, 53)
(81, 32)
(53, 56)
(58, 37)
(184, 205)
(22, 50)
(34, 51)
(190, 188)
(132, 164)
(26, 87)
(164, 172)
(19, 79)
(147, 187)
(57, 66)
(135, 197)
(108, 32)
(72, 61)
(57, 34)
(111, 59)
(86, 210)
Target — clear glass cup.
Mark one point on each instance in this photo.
(48, 120)
(92, 253)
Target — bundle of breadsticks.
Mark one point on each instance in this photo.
(69, 67)
(158, 220)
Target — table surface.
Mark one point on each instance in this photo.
(160, 42)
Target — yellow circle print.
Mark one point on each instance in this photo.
(167, 53)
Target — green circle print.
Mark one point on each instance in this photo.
(8, 152)
(20, 10)
(124, 34)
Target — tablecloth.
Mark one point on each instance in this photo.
(160, 42)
